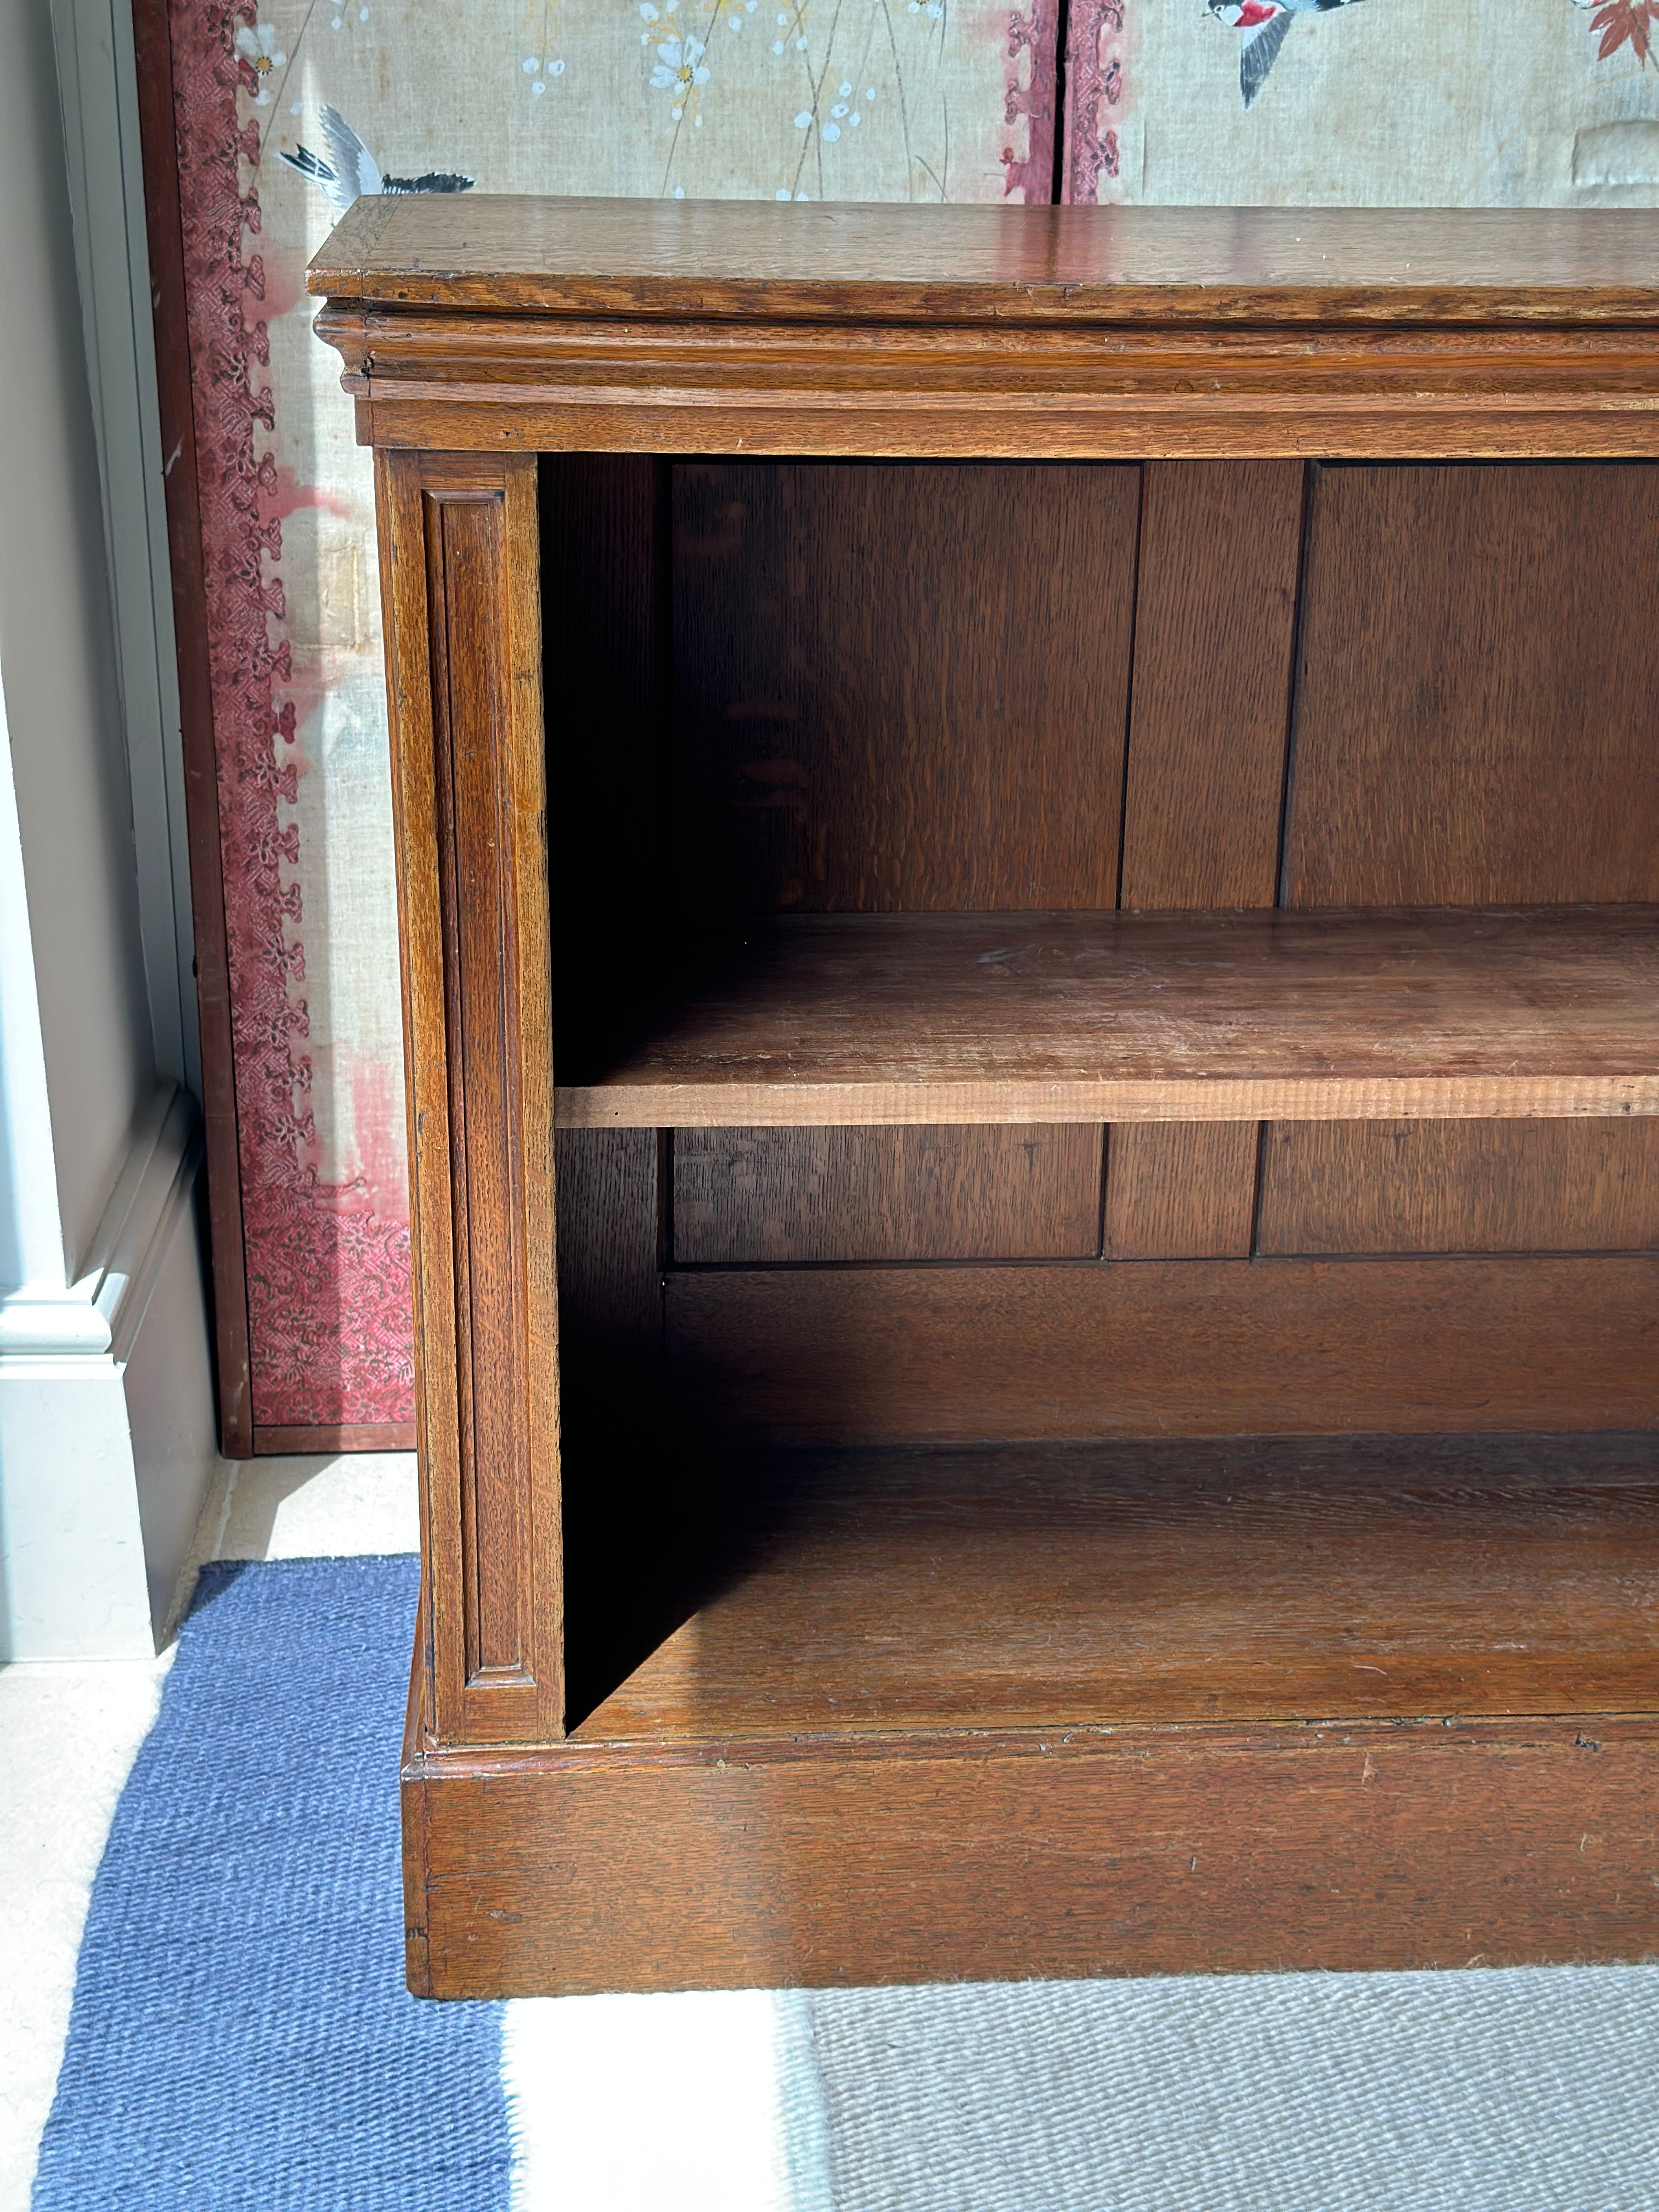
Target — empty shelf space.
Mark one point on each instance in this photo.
(1094, 1586)
(840, 1020)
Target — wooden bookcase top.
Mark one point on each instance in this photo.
(584, 325)
(1066, 266)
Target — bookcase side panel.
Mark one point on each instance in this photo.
(462, 592)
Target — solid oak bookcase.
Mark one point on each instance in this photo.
(1029, 857)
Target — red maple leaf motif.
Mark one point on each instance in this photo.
(1626, 22)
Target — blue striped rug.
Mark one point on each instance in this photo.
(241, 2040)
(241, 2036)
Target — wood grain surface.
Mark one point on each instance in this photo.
(900, 688)
(1460, 1187)
(1075, 1016)
(1476, 723)
(1013, 333)
(1180, 1190)
(999, 394)
(458, 538)
(609, 1234)
(1361, 1832)
(781, 1195)
(1320, 1846)
(706, 259)
(1276, 1697)
(1215, 612)
(877, 709)
(1254, 1579)
(1221, 1347)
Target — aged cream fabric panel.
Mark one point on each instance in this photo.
(843, 98)
(1431, 103)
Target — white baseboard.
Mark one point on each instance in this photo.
(107, 1425)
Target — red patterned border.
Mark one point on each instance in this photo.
(328, 1281)
(1095, 68)
(1031, 37)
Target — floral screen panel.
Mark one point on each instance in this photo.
(1427, 103)
(282, 116)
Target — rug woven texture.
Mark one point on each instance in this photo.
(241, 2039)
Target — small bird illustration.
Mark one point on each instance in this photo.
(351, 170)
(1264, 23)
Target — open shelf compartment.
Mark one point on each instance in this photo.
(1253, 1579)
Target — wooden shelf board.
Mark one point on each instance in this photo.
(842, 1019)
(1078, 1586)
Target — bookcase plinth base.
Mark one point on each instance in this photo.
(870, 1859)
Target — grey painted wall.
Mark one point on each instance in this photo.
(58, 658)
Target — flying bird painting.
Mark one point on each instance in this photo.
(1264, 24)
(351, 171)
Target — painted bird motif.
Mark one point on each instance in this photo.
(1265, 24)
(351, 170)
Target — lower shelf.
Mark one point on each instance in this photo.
(1153, 1708)
(1076, 1586)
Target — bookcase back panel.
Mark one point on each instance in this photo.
(1476, 719)
(1460, 1187)
(1476, 723)
(1180, 1190)
(899, 688)
(1224, 1347)
(1215, 620)
(1215, 624)
(772, 1196)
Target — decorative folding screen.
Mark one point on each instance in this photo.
(1356, 103)
(279, 116)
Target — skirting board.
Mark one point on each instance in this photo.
(107, 1426)
(1317, 1844)
(346, 1437)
